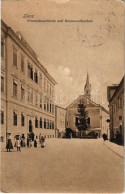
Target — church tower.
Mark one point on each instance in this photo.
(87, 88)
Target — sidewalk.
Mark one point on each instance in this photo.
(117, 149)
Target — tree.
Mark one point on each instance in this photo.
(82, 118)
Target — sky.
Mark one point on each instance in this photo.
(69, 49)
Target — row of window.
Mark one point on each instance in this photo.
(115, 107)
(48, 105)
(77, 121)
(33, 74)
(47, 124)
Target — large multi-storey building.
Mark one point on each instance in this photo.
(27, 89)
(115, 95)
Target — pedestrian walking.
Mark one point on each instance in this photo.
(28, 141)
(18, 144)
(23, 142)
(9, 143)
(104, 136)
(42, 142)
(40, 136)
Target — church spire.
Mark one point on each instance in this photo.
(87, 88)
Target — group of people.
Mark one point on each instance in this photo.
(20, 142)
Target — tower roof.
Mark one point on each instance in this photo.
(87, 88)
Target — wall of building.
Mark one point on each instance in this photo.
(71, 118)
(94, 115)
(3, 90)
(97, 116)
(117, 113)
(105, 124)
(60, 118)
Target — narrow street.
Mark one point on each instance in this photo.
(64, 165)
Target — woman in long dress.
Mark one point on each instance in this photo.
(18, 144)
(9, 143)
(42, 142)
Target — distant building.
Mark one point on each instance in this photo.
(115, 96)
(60, 125)
(27, 89)
(97, 115)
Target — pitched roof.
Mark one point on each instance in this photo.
(91, 102)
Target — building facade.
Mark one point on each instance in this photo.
(97, 115)
(27, 89)
(60, 116)
(115, 96)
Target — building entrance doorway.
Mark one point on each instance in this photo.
(30, 126)
(31, 134)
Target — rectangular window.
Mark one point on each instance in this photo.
(22, 119)
(30, 71)
(22, 63)
(22, 93)
(36, 122)
(30, 96)
(47, 105)
(14, 118)
(14, 57)
(2, 117)
(50, 90)
(50, 124)
(44, 103)
(35, 99)
(47, 124)
(44, 123)
(14, 89)
(40, 122)
(40, 80)
(2, 84)
(45, 85)
(50, 107)
(40, 101)
(2, 47)
(36, 77)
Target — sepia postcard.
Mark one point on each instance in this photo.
(62, 96)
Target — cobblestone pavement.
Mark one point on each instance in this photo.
(64, 165)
